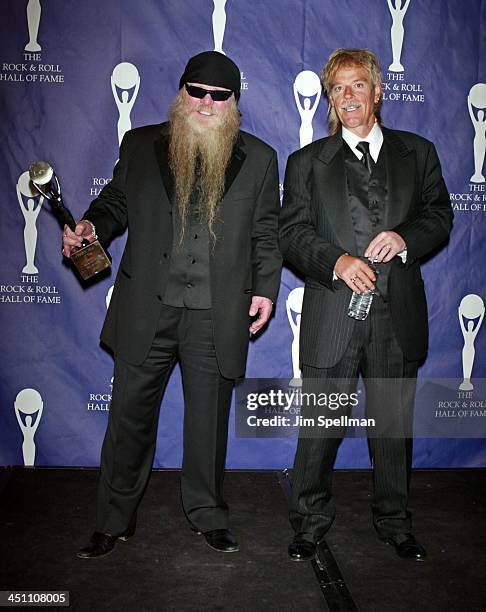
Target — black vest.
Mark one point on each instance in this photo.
(367, 196)
(188, 283)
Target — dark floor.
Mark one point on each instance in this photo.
(45, 515)
(449, 512)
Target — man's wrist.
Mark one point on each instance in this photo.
(93, 229)
(335, 277)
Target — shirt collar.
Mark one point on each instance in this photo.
(375, 138)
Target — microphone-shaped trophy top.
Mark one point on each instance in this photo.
(40, 173)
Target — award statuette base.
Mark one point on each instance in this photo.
(90, 260)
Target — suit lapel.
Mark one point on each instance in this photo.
(161, 147)
(234, 166)
(330, 177)
(400, 172)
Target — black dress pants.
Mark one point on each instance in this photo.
(129, 445)
(374, 352)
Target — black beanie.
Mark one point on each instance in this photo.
(212, 68)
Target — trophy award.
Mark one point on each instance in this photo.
(91, 258)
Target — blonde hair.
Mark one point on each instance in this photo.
(213, 147)
(343, 58)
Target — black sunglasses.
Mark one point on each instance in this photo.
(216, 94)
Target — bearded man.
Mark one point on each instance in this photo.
(200, 200)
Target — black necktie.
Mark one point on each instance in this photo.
(366, 160)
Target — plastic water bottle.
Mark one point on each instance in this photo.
(360, 303)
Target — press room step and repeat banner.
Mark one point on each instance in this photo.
(74, 76)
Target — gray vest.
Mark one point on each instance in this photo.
(188, 283)
(367, 196)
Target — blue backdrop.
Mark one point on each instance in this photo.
(75, 75)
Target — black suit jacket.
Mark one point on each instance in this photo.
(316, 229)
(244, 262)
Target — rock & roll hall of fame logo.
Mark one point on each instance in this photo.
(476, 105)
(30, 202)
(397, 9)
(34, 10)
(471, 315)
(28, 408)
(307, 93)
(26, 287)
(125, 83)
(293, 307)
(219, 24)
(395, 87)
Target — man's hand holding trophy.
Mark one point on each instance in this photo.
(79, 242)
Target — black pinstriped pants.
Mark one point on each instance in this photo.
(374, 353)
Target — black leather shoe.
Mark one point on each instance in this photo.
(406, 546)
(301, 550)
(101, 544)
(221, 540)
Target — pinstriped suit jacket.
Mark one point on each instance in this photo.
(316, 229)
